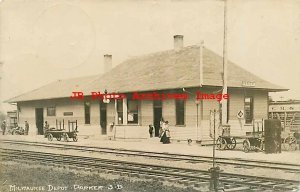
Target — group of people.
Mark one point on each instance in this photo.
(164, 131)
(4, 126)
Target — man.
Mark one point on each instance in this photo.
(46, 129)
(26, 128)
(3, 127)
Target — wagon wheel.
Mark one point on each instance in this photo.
(58, 138)
(66, 137)
(50, 137)
(231, 144)
(221, 143)
(290, 143)
(246, 146)
(75, 138)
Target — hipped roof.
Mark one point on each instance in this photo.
(158, 71)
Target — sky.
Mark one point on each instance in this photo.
(45, 40)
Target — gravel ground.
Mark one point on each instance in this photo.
(14, 175)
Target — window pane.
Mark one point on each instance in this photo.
(87, 115)
(133, 106)
(248, 109)
(132, 115)
(51, 111)
(119, 105)
(180, 113)
(120, 111)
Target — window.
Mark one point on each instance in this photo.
(180, 112)
(87, 112)
(120, 110)
(51, 111)
(248, 109)
(132, 112)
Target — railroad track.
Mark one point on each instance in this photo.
(188, 177)
(167, 156)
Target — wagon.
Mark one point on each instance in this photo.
(253, 141)
(61, 133)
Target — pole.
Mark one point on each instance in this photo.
(197, 119)
(1, 80)
(214, 142)
(201, 63)
(214, 171)
(224, 101)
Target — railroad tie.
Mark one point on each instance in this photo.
(183, 181)
(200, 184)
(190, 183)
(237, 189)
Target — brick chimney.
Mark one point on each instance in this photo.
(178, 42)
(107, 63)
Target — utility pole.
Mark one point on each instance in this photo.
(201, 63)
(225, 74)
(200, 84)
(1, 80)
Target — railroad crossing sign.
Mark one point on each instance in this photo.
(240, 114)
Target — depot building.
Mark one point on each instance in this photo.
(181, 70)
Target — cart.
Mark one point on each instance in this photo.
(225, 141)
(253, 141)
(61, 133)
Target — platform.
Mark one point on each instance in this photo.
(153, 145)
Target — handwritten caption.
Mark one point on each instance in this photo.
(65, 188)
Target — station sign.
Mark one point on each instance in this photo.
(248, 83)
(284, 108)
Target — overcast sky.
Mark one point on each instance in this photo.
(46, 40)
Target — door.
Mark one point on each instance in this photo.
(103, 117)
(157, 115)
(39, 120)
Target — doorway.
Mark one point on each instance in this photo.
(39, 120)
(157, 115)
(103, 117)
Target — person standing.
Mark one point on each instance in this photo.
(26, 128)
(161, 123)
(3, 127)
(46, 129)
(151, 129)
(165, 138)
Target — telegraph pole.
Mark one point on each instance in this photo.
(215, 170)
(225, 74)
(1, 80)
